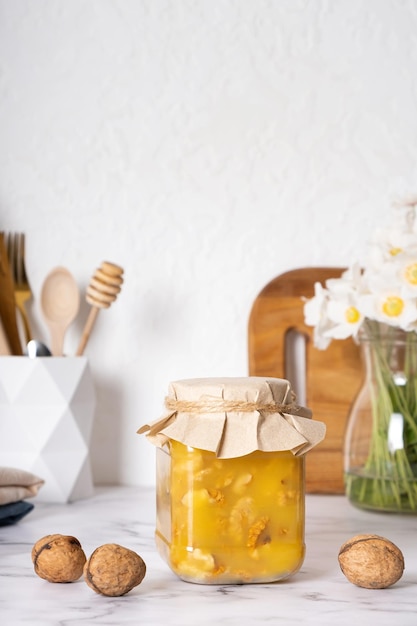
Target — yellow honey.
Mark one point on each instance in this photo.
(222, 521)
(230, 479)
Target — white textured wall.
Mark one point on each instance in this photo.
(206, 146)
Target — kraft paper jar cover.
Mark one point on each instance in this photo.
(235, 416)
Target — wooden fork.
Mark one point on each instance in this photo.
(22, 290)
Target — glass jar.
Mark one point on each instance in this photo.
(234, 514)
(380, 449)
(235, 520)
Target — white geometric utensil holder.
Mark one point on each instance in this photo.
(47, 407)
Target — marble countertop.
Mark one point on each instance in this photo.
(317, 594)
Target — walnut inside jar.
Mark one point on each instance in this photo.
(114, 570)
(58, 558)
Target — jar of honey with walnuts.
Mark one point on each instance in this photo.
(230, 479)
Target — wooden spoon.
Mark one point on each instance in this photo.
(101, 292)
(60, 302)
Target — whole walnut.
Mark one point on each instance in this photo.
(113, 570)
(371, 561)
(58, 558)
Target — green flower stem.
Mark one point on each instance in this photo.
(388, 480)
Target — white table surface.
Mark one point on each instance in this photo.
(317, 594)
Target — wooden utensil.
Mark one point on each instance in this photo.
(101, 292)
(60, 302)
(7, 302)
(15, 243)
(332, 376)
(4, 342)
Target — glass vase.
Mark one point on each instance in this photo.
(380, 450)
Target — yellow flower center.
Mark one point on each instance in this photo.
(352, 315)
(393, 306)
(395, 251)
(411, 274)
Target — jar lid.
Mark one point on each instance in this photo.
(235, 416)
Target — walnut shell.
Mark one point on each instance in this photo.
(371, 561)
(113, 570)
(58, 558)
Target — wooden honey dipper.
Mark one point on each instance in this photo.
(104, 286)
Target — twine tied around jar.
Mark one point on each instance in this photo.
(219, 405)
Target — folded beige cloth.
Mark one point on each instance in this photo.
(235, 416)
(17, 484)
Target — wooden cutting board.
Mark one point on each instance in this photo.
(332, 377)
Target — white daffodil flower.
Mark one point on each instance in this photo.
(399, 275)
(315, 314)
(314, 309)
(350, 282)
(346, 317)
(398, 238)
(383, 290)
(390, 244)
(389, 307)
(342, 311)
(406, 272)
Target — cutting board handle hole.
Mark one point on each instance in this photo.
(295, 360)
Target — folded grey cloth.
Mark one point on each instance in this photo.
(13, 512)
(17, 484)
